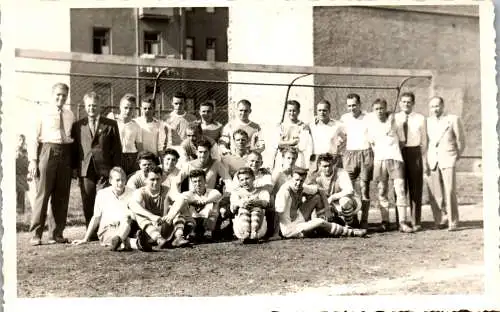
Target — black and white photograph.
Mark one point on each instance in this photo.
(297, 149)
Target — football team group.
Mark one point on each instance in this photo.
(148, 183)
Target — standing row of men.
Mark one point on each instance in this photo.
(374, 146)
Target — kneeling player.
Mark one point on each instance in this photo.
(152, 206)
(337, 188)
(203, 206)
(112, 218)
(145, 160)
(248, 204)
(296, 217)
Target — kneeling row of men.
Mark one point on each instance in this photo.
(257, 203)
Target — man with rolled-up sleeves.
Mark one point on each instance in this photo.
(49, 152)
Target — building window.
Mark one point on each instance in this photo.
(210, 9)
(189, 48)
(211, 49)
(105, 92)
(152, 43)
(188, 9)
(101, 43)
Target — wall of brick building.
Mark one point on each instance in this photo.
(376, 37)
(201, 25)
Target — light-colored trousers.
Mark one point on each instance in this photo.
(442, 194)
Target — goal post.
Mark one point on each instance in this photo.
(267, 87)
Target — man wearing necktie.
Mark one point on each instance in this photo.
(49, 152)
(446, 144)
(414, 153)
(97, 149)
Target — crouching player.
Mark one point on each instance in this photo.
(202, 207)
(337, 188)
(296, 216)
(249, 204)
(112, 218)
(156, 217)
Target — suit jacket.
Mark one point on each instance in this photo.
(103, 150)
(446, 141)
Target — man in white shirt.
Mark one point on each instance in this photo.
(446, 144)
(296, 217)
(293, 132)
(178, 120)
(325, 132)
(358, 155)
(50, 161)
(154, 132)
(414, 153)
(112, 219)
(130, 133)
(385, 138)
(244, 108)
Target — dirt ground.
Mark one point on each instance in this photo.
(428, 262)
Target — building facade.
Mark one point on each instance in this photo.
(181, 33)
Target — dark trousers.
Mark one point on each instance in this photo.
(88, 188)
(414, 176)
(129, 163)
(54, 182)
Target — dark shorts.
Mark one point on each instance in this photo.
(388, 169)
(359, 164)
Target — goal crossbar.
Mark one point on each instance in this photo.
(236, 67)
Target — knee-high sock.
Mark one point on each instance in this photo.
(339, 230)
(255, 218)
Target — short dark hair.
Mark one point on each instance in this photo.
(197, 173)
(146, 155)
(148, 99)
(354, 96)
(293, 103)
(179, 95)
(241, 132)
(326, 102)
(300, 171)
(408, 94)
(154, 169)
(171, 151)
(331, 158)
(245, 170)
(204, 142)
(244, 102)
(208, 103)
(380, 101)
(325, 157)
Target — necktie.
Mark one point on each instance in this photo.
(405, 128)
(61, 126)
(92, 126)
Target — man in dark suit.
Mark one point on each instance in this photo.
(97, 149)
